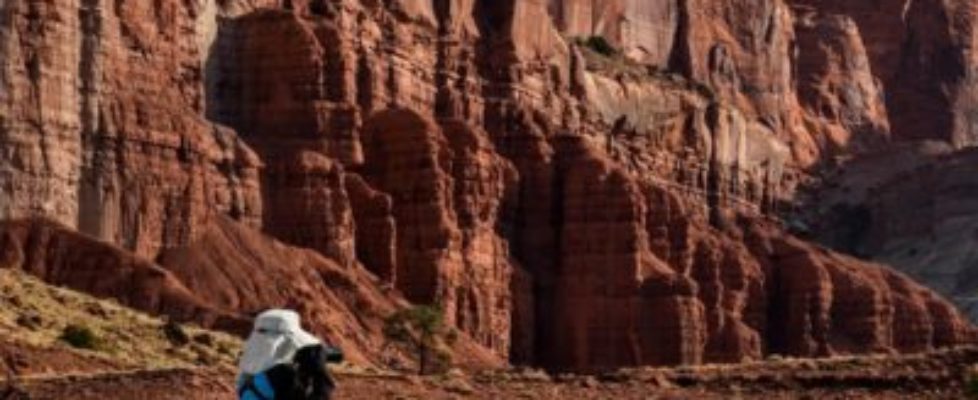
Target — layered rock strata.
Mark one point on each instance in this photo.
(921, 52)
(564, 207)
(102, 124)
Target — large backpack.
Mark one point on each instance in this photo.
(296, 380)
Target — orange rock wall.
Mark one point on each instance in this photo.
(103, 128)
(564, 208)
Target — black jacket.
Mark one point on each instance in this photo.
(306, 378)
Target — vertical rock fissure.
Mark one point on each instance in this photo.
(679, 59)
(91, 189)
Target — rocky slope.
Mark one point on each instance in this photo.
(141, 356)
(35, 316)
(228, 275)
(566, 205)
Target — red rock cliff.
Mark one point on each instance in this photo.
(565, 206)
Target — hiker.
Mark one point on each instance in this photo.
(281, 361)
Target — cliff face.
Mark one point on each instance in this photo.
(564, 206)
(922, 54)
(102, 126)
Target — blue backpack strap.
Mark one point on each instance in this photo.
(333, 354)
(255, 387)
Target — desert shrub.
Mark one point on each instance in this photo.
(600, 45)
(205, 339)
(175, 334)
(80, 337)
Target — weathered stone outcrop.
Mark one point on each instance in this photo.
(614, 302)
(905, 205)
(447, 185)
(235, 268)
(742, 50)
(921, 52)
(669, 131)
(310, 206)
(746, 52)
(631, 252)
(836, 85)
(731, 283)
(828, 303)
(102, 128)
(643, 30)
(376, 229)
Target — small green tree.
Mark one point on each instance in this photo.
(422, 328)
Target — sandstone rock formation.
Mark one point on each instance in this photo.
(564, 207)
(345, 305)
(643, 30)
(921, 53)
(836, 85)
(102, 125)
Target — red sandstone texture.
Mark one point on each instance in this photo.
(565, 208)
(103, 128)
(921, 54)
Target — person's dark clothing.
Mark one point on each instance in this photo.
(305, 378)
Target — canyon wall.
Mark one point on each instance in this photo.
(922, 53)
(564, 206)
(102, 126)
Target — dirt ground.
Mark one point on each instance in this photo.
(940, 375)
(210, 384)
